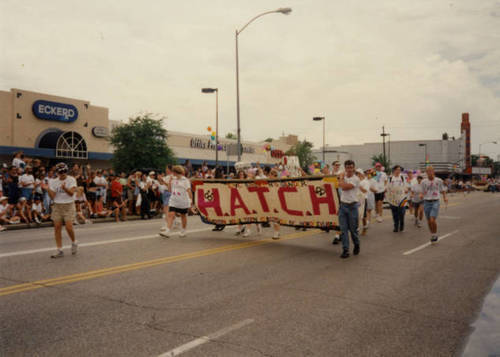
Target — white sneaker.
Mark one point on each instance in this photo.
(163, 229)
(165, 233)
(379, 219)
(182, 233)
(58, 254)
(419, 224)
(276, 235)
(37, 220)
(2, 228)
(74, 247)
(247, 232)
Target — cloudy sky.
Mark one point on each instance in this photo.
(413, 66)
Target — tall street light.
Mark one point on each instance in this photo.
(425, 153)
(322, 119)
(216, 90)
(488, 142)
(281, 10)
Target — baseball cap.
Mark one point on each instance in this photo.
(21, 199)
(151, 173)
(360, 171)
(3, 198)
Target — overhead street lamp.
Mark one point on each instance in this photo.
(488, 142)
(425, 153)
(216, 90)
(322, 119)
(281, 10)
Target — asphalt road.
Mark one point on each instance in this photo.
(129, 292)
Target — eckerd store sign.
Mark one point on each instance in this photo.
(46, 110)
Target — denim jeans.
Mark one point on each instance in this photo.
(398, 217)
(349, 219)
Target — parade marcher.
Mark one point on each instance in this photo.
(364, 188)
(380, 188)
(348, 214)
(61, 191)
(432, 186)
(119, 206)
(410, 180)
(397, 182)
(180, 200)
(336, 170)
(370, 197)
(165, 192)
(416, 200)
(219, 174)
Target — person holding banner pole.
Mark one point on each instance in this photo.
(348, 214)
(181, 200)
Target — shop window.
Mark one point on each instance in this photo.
(71, 145)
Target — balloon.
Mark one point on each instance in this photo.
(213, 133)
(316, 171)
(212, 137)
(209, 128)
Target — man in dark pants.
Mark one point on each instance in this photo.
(348, 214)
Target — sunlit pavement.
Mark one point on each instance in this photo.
(129, 292)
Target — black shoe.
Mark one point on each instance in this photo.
(401, 229)
(336, 240)
(356, 250)
(297, 228)
(215, 229)
(395, 230)
(345, 254)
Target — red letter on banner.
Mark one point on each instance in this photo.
(235, 196)
(215, 203)
(260, 192)
(281, 195)
(328, 199)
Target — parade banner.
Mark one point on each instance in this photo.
(396, 195)
(299, 202)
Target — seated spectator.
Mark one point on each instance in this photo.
(37, 211)
(100, 211)
(3, 212)
(83, 207)
(24, 210)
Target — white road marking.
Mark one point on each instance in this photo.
(111, 241)
(428, 243)
(204, 339)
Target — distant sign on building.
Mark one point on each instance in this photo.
(481, 170)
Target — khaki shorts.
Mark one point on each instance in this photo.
(63, 212)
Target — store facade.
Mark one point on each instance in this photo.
(52, 127)
(55, 128)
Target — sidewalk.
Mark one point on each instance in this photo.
(13, 227)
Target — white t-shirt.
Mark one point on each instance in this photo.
(61, 195)
(350, 196)
(433, 188)
(38, 186)
(37, 207)
(365, 183)
(416, 188)
(27, 179)
(397, 181)
(3, 208)
(380, 181)
(180, 197)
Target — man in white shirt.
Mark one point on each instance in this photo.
(102, 186)
(348, 213)
(432, 186)
(27, 184)
(61, 190)
(380, 187)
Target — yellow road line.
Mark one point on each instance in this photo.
(141, 265)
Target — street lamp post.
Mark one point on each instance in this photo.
(216, 90)
(282, 10)
(425, 153)
(488, 142)
(322, 119)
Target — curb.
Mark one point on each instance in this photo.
(20, 226)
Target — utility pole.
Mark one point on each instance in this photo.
(383, 135)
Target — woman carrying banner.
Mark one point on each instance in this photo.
(398, 188)
(180, 200)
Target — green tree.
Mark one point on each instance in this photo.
(231, 136)
(269, 140)
(384, 161)
(141, 143)
(303, 150)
